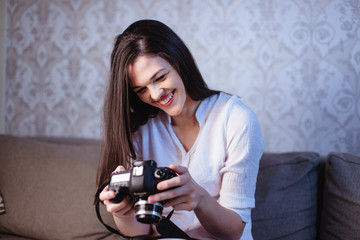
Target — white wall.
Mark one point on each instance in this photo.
(2, 64)
(295, 63)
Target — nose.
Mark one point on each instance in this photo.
(155, 92)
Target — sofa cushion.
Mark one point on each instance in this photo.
(341, 207)
(48, 189)
(286, 196)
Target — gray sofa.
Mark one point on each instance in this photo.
(47, 186)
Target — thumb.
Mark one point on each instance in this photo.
(120, 168)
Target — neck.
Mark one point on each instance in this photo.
(187, 117)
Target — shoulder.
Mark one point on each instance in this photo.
(235, 108)
(227, 112)
(242, 126)
(240, 119)
(223, 107)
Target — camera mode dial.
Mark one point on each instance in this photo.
(159, 173)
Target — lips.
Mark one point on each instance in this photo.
(167, 99)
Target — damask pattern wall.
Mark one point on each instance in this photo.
(296, 63)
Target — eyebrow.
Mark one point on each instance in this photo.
(151, 79)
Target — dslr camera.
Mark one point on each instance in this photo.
(138, 183)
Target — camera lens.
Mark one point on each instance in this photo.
(148, 213)
(159, 173)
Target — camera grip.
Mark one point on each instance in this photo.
(120, 195)
(117, 199)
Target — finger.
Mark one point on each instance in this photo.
(182, 203)
(119, 168)
(173, 182)
(125, 208)
(170, 194)
(119, 208)
(106, 194)
(160, 197)
(178, 168)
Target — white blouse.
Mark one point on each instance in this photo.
(224, 159)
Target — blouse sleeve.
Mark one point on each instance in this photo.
(245, 146)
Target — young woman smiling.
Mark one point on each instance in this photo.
(159, 107)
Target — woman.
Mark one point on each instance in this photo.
(159, 107)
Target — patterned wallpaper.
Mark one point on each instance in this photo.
(296, 63)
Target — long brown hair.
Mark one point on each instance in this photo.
(124, 112)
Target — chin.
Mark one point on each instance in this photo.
(173, 113)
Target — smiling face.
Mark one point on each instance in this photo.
(157, 83)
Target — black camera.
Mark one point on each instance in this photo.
(139, 183)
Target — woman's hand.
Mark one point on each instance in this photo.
(123, 212)
(124, 208)
(182, 192)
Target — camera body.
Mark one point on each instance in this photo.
(138, 183)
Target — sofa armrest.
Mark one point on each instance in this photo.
(48, 187)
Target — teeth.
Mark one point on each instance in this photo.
(166, 100)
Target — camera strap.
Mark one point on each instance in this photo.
(97, 209)
(165, 227)
(168, 229)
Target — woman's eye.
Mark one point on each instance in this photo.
(141, 90)
(159, 79)
(162, 77)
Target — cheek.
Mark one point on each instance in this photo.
(182, 89)
(144, 97)
(141, 96)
